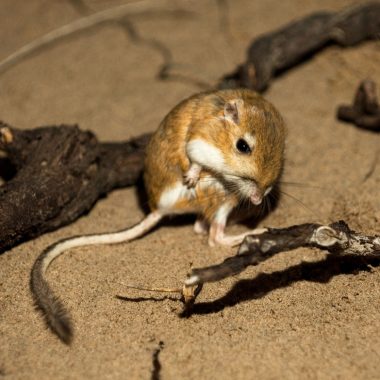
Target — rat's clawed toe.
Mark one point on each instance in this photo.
(189, 180)
(191, 177)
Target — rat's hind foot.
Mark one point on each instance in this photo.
(201, 226)
(217, 236)
(191, 177)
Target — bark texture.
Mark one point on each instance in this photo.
(59, 173)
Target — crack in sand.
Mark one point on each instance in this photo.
(156, 371)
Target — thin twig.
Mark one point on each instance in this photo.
(110, 15)
(188, 292)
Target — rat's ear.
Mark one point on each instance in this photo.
(233, 110)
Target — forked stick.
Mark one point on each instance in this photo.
(336, 238)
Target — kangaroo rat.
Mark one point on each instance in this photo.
(213, 152)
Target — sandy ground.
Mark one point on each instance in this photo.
(301, 314)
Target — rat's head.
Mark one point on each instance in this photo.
(245, 145)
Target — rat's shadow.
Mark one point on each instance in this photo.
(321, 271)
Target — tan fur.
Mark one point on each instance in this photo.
(202, 117)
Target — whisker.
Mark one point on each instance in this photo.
(302, 204)
(262, 209)
(300, 184)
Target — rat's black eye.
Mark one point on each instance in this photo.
(243, 147)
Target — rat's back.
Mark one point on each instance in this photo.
(166, 160)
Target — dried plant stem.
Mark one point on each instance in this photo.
(109, 15)
(188, 292)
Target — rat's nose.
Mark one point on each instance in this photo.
(258, 195)
(256, 198)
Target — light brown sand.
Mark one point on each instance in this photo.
(300, 315)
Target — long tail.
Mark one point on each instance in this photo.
(55, 314)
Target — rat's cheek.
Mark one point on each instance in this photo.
(205, 154)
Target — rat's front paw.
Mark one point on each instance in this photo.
(190, 180)
(191, 177)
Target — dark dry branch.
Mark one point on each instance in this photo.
(336, 238)
(274, 52)
(365, 110)
(60, 173)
